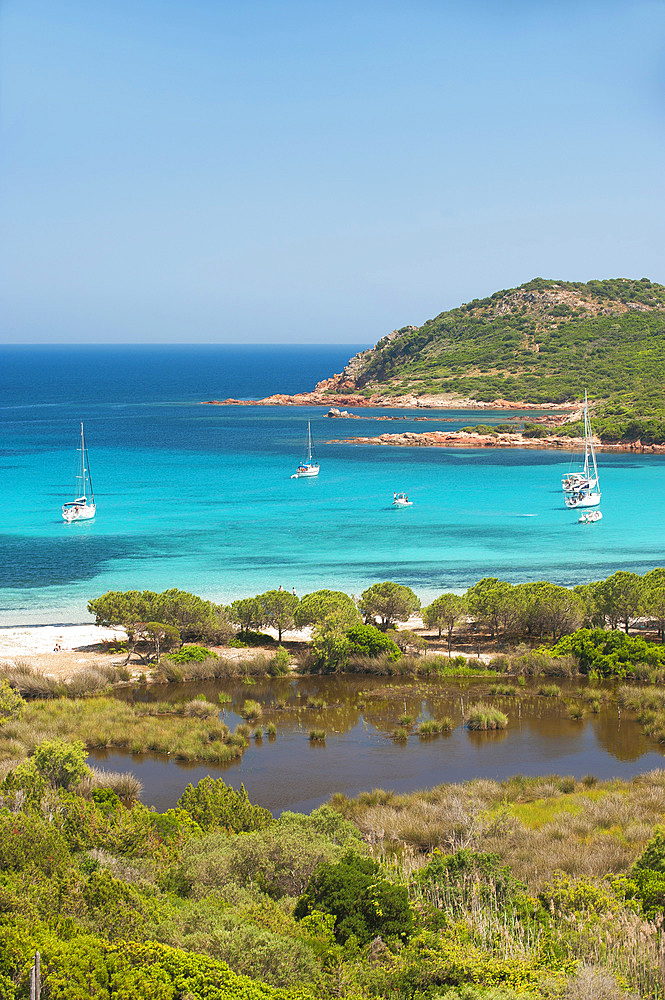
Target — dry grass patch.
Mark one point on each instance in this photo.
(536, 825)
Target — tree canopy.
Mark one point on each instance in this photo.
(389, 602)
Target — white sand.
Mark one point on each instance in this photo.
(39, 639)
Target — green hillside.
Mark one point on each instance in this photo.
(544, 342)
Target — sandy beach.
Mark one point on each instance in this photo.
(78, 646)
(81, 646)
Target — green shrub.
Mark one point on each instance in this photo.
(215, 805)
(279, 664)
(189, 654)
(252, 638)
(452, 881)
(277, 860)
(11, 702)
(367, 640)
(610, 653)
(363, 903)
(61, 764)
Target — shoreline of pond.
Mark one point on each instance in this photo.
(359, 753)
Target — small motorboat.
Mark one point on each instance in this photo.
(588, 516)
(401, 500)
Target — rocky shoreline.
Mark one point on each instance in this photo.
(462, 439)
(341, 391)
(443, 402)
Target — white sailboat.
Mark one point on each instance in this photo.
(574, 482)
(83, 507)
(309, 466)
(584, 490)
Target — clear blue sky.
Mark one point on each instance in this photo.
(274, 170)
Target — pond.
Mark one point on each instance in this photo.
(359, 713)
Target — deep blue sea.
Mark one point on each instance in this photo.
(200, 497)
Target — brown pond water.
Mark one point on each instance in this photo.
(361, 712)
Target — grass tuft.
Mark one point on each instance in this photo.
(485, 717)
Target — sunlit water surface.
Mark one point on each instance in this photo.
(200, 497)
(359, 753)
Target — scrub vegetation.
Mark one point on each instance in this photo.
(548, 888)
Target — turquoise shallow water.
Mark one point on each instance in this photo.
(200, 497)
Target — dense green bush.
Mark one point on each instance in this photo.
(367, 640)
(62, 764)
(11, 702)
(645, 881)
(363, 902)
(609, 653)
(277, 860)
(215, 805)
(189, 654)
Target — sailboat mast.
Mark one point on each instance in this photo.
(309, 441)
(586, 435)
(85, 468)
(593, 455)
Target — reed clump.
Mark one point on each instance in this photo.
(28, 681)
(504, 690)
(91, 680)
(214, 668)
(126, 785)
(317, 736)
(485, 717)
(536, 663)
(549, 691)
(400, 734)
(251, 710)
(576, 711)
(199, 708)
(434, 727)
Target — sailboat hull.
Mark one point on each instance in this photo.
(84, 512)
(590, 500)
(306, 472)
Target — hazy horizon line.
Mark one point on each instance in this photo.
(179, 343)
